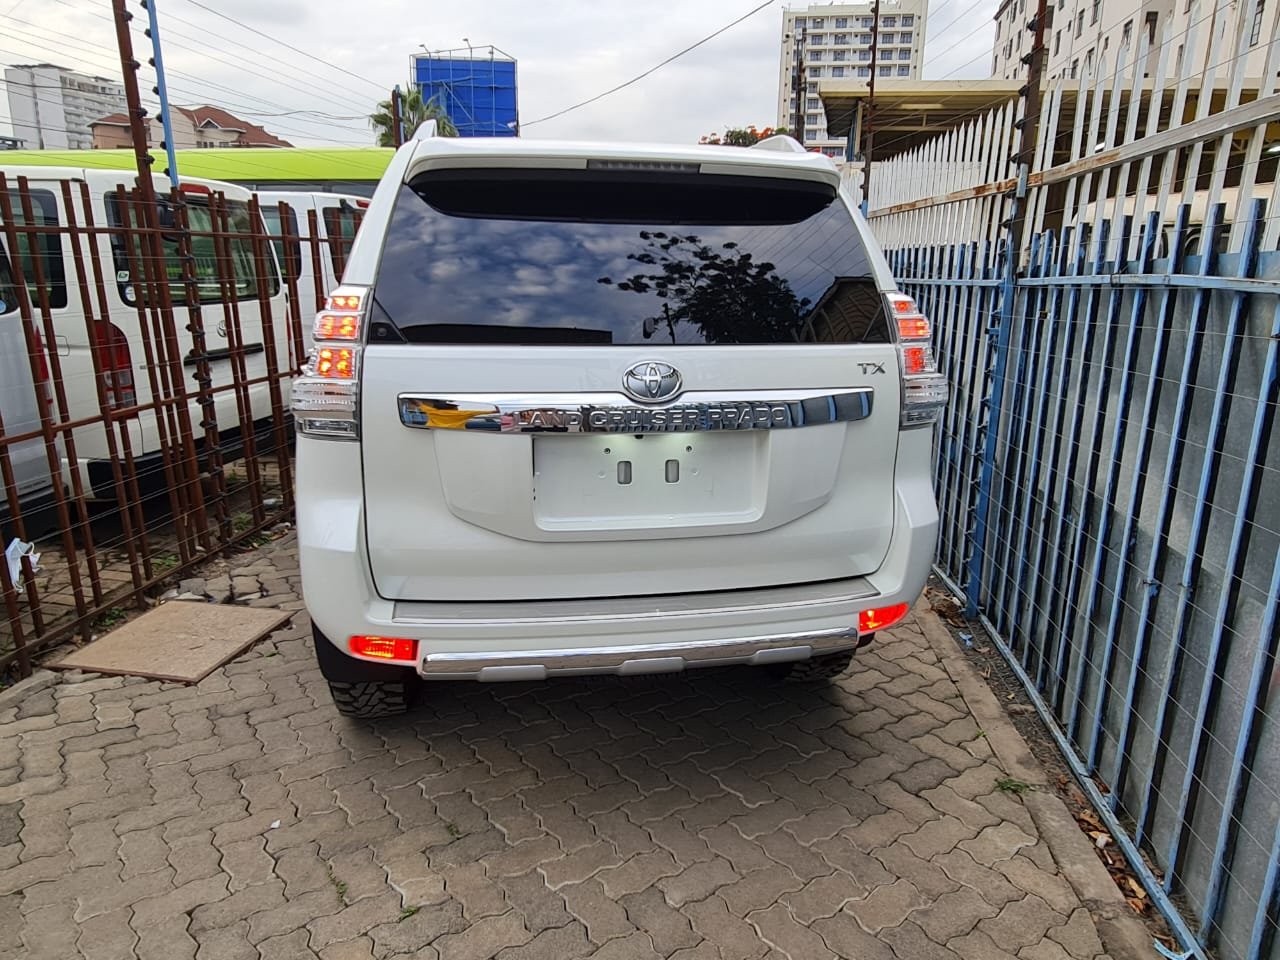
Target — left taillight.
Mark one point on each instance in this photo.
(323, 398)
(116, 363)
(924, 389)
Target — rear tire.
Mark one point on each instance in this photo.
(821, 669)
(369, 700)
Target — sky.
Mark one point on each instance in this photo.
(354, 52)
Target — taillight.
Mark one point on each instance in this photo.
(117, 366)
(42, 370)
(924, 390)
(385, 648)
(323, 399)
(881, 618)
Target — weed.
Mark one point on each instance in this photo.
(1010, 785)
(111, 618)
(453, 830)
(163, 563)
(408, 912)
(340, 886)
(241, 522)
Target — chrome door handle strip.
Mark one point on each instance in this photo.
(522, 413)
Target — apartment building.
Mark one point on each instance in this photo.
(51, 107)
(834, 41)
(1082, 32)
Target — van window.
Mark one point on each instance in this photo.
(45, 213)
(290, 260)
(622, 257)
(208, 274)
(340, 225)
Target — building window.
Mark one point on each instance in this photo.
(1095, 11)
(811, 120)
(1181, 53)
(815, 71)
(904, 38)
(815, 54)
(841, 40)
(904, 71)
(811, 88)
(908, 20)
(886, 71)
(889, 22)
(866, 23)
(1057, 43)
(1256, 34)
(811, 134)
(864, 55)
(1088, 61)
(817, 23)
(904, 54)
(886, 39)
(837, 71)
(1080, 24)
(818, 39)
(865, 39)
(1126, 36)
(1075, 69)
(840, 55)
(842, 23)
(864, 71)
(799, 21)
(812, 103)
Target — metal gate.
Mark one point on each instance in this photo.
(1108, 473)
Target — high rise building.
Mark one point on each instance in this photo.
(1083, 32)
(833, 41)
(51, 107)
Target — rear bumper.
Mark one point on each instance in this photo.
(522, 640)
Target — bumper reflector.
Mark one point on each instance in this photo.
(881, 618)
(385, 648)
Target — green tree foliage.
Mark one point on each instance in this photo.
(414, 111)
(741, 136)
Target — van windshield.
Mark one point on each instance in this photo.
(625, 257)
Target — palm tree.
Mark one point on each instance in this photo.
(414, 112)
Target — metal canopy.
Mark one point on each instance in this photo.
(911, 111)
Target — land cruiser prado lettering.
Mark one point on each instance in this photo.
(609, 409)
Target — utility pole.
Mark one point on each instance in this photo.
(1031, 99)
(397, 123)
(797, 81)
(868, 129)
(160, 90)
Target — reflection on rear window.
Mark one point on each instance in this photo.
(592, 257)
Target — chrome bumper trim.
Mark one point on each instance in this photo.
(636, 659)
(521, 413)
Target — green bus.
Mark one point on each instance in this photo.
(350, 170)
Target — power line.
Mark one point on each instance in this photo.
(653, 69)
(288, 46)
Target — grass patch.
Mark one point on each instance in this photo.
(164, 563)
(111, 618)
(453, 830)
(1010, 785)
(339, 886)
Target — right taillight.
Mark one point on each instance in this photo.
(924, 389)
(323, 398)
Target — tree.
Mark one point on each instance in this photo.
(414, 112)
(727, 294)
(742, 137)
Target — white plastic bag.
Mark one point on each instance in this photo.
(13, 555)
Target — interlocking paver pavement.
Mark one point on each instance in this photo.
(718, 816)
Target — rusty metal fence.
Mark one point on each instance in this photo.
(146, 350)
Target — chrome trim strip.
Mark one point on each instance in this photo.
(522, 413)
(415, 613)
(637, 659)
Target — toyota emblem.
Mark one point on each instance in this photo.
(651, 381)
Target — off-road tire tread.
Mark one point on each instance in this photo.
(369, 701)
(818, 669)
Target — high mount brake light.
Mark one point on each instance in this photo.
(924, 389)
(323, 399)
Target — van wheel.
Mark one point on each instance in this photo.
(815, 669)
(368, 700)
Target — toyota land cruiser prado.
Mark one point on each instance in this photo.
(605, 408)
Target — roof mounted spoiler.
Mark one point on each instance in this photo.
(782, 143)
(426, 130)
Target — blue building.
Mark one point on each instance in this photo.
(476, 85)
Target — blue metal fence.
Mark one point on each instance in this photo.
(1108, 470)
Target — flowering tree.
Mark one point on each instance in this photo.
(741, 137)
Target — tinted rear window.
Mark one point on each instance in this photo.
(605, 257)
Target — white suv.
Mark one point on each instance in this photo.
(609, 408)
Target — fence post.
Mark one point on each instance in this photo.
(1015, 227)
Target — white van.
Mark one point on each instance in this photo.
(337, 218)
(130, 379)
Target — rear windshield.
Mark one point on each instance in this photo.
(621, 257)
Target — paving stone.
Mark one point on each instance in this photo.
(602, 916)
(108, 936)
(997, 843)
(290, 946)
(823, 897)
(845, 938)
(698, 881)
(1022, 923)
(560, 943)
(540, 906)
(414, 931)
(733, 936)
(1024, 875)
(759, 889)
(358, 918)
(886, 906)
(640, 872)
(954, 914)
(226, 943)
(1078, 935)
(901, 861)
(155, 911)
(484, 939)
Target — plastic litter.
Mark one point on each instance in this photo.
(13, 555)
